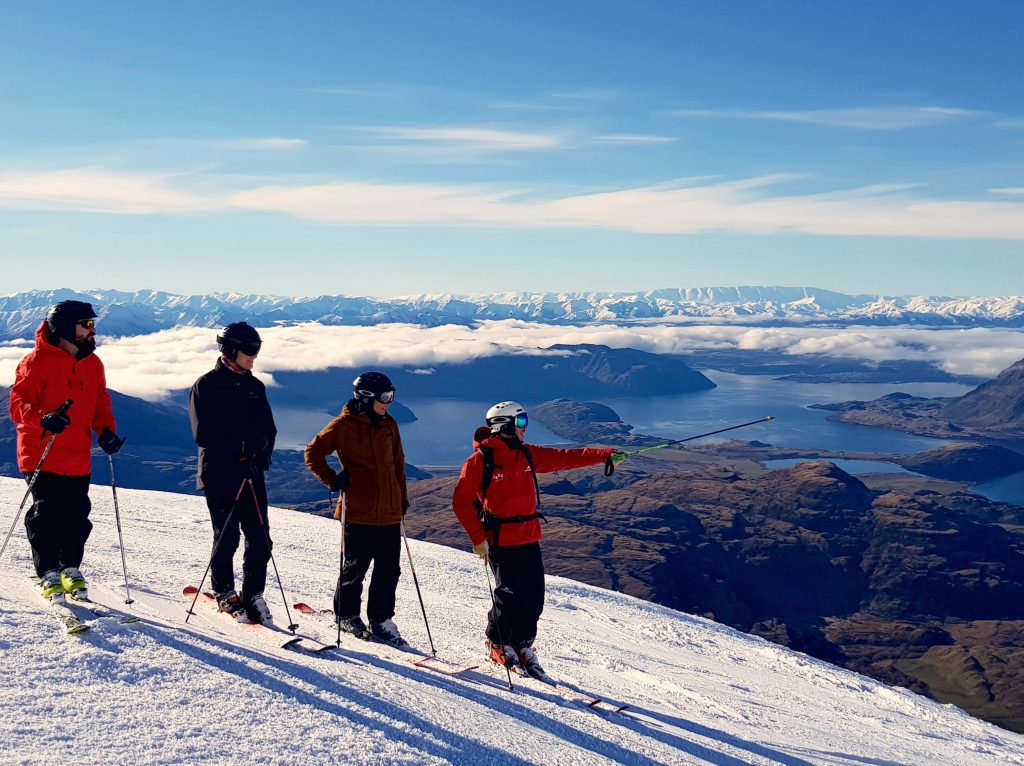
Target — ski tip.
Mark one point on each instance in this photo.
(76, 629)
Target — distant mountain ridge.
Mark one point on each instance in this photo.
(146, 311)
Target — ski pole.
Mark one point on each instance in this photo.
(120, 538)
(292, 626)
(494, 604)
(62, 410)
(609, 464)
(216, 546)
(341, 568)
(416, 582)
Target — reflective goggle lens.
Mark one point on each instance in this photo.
(384, 397)
(522, 420)
(88, 324)
(250, 349)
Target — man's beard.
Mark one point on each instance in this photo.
(85, 347)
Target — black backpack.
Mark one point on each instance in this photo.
(489, 520)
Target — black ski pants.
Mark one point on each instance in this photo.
(366, 543)
(518, 594)
(58, 521)
(247, 519)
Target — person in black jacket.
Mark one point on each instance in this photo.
(234, 427)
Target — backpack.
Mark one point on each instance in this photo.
(491, 522)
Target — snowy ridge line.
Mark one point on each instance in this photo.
(148, 311)
(700, 694)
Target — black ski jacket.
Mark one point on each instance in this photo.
(233, 426)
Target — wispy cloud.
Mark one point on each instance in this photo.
(858, 118)
(97, 190)
(153, 366)
(263, 144)
(633, 138)
(1013, 191)
(480, 138)
(756, 205)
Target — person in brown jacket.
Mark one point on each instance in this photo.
(371, 506)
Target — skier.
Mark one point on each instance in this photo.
(62, 366)
(234, 427)
(496, 500)
(372, 504)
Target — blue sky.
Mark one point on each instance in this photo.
(400, 147)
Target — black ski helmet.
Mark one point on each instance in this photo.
(239, 336)
(63, 317)
(372, 386)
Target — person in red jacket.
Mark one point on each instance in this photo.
(62, 366)
(496, 501)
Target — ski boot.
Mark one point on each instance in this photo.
(74, 583)
(530, 663)
(257, 611)
(230, 603)
(387, 631)
(353, 623)
(52, 587)
(502, 654)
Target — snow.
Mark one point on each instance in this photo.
(163, 692)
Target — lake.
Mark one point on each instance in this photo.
(443, 433)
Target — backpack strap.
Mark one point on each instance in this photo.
(489, 520)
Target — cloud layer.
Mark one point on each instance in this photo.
(749, 206)
(152, 366)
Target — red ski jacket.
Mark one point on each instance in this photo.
(511, 491)
(44, 380)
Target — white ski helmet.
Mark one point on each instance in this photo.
(506, 417)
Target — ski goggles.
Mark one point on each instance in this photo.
(384, 397)
(519, 421)
(250, 349)
(88, 324)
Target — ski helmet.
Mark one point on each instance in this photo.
(239, 336)
(63, 317)
(373, 386)
(506, 417)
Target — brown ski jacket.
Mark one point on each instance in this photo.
(370, 449)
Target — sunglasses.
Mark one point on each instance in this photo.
(384, 397)
(250, 349)
(88, 324)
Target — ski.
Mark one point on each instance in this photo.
(72, 623)
(439, 665)
(265, 631)
(101, 612)
(567, 692)
(328, 616)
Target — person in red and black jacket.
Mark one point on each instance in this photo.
(496, 500)
(62, 366)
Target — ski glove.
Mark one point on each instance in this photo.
(55, 422)
(340, 481)
(481, 549)
(263, 461)
(616, 457)
(110, 442)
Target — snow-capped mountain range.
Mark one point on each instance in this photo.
(146, 311)
(164, 692)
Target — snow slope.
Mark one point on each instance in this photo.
(162, 692)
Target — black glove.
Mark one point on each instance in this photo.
(110, 442)
(55, 422)
(405, 508)
(340, 481)
(263, 461)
